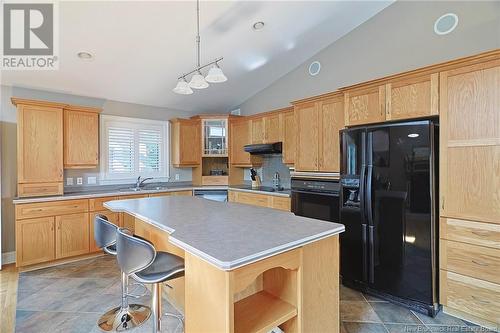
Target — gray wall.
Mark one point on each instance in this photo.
(8, 128)
(398, 39)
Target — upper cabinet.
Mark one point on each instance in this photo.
(412, 97)
(365, 105)
(257, 124)
(240, 134)
(272, 128)
(39, 148)
(215, 137)
(318, 123)
(289, 134)
(81, 137)
(470, 142)
(186, 142)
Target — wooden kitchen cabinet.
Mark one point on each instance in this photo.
(365, 105)
(412, 97)
(39, 148)
(318, 123)
(72, 235)
(259, 199)
(289, 135)
(35, 241)
(307, 122)
(470, 142)
(81, 137)
(257, 130)
(186, 142)
(240, 134)
(272, 128)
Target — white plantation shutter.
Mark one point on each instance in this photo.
(133, 147)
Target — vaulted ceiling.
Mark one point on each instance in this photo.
(140, 48)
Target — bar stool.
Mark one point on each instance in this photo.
(125, 316)
(139, 259)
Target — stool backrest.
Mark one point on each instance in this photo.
(104, 233)
(133, 254)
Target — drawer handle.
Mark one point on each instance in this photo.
(481, 233)
(480, 263)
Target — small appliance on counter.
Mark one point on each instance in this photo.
(217, 172)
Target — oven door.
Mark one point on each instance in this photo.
(322, 206)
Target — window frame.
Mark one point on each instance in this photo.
(137, 124)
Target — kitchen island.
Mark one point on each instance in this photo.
(248, 269)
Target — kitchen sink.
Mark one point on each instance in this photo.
(131, 189)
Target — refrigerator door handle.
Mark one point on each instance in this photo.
(372, 254)
(362, 196)
(364, 238)
(368, 195)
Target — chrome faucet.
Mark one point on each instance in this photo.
(140, 182)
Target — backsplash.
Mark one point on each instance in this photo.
(270, 165)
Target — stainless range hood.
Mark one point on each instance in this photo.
(265, 148)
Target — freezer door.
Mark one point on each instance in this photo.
(399, 211)
(353, 260)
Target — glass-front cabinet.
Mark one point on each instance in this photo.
(215, 137)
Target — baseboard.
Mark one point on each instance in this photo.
(8, 257)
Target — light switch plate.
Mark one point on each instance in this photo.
(69, 181)
(177, 176)
(79, 181)
(91, 180)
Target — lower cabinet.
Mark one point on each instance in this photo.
(72, 235)
(35, 241)
(262, 200)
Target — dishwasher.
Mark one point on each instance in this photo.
(215, 195)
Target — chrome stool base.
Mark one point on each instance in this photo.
(120, 320)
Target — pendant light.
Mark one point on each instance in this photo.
(198, 81)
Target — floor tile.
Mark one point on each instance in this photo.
(354, 327)
(391, 313)
(357, 311)
(441, 319)
(348, 294)
(371, 298)
(406, 328)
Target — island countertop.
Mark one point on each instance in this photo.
(228, 235)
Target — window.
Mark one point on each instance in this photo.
(133, 147)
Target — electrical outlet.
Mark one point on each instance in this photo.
(177, 176)
(79, 181)
(69, 181)
(91, 180)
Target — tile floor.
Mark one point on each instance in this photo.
(71, 297)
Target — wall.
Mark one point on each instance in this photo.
(8, 127)
(398, 39)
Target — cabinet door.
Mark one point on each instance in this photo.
(81, 139)
(365, 106)
(331, 121)
(272, 128)
(112, 217)
(257, 130)
(413, 97)
(190, 142)
(307, 120)
(35, 241)
(72, 235)
(240, 135)
(39, 144)
(470, 142)
(289, 137)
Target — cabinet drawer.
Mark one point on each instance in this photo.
(281, 203)
(39, 189)
(471, 260)
(182, 193)
(473, 296)
(253, 199)
(97, 203)
(40, 209)
(485, 234)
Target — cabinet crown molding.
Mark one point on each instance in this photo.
(21, 101)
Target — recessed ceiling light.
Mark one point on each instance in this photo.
(413, 135)
(445, 24)
(258, 26)
(85, 56)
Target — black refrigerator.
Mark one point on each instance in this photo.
(388, 198)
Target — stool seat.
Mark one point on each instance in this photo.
(166, 266)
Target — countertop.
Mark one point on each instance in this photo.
(107, 192)
(226, 234)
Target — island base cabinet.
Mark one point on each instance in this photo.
(35, 241)
(297, 290)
